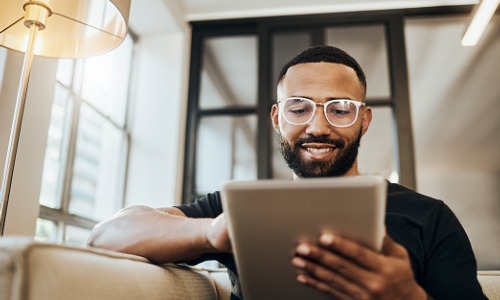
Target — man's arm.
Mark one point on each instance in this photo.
(348, 270)
(160, 235)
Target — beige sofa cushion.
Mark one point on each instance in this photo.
(490, 282)
(36, 271)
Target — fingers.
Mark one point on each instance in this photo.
(331, 260)
(323, 287)
(326, 280)
(334, 270)
(344, 261)
(365, 257)
(348, 270)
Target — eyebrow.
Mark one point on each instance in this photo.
(327, 99)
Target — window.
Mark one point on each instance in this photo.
(86, 155)
(227, 115)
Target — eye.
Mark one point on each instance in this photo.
(299, 110)
(298, 107)
(340, 109)
(339, 112)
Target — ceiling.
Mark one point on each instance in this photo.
(160, 16)
(218, 9)
(454, 90)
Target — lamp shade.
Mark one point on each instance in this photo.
(73, 28)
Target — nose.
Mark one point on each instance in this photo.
(319, 125)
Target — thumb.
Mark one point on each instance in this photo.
(218, 234)
(391, 248)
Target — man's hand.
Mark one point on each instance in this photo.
(217, 234)
(347, 270)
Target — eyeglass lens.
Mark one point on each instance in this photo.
(339, 112)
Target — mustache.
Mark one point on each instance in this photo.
(320, 139)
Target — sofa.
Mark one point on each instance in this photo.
(31, 270)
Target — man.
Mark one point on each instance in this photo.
(320, 118)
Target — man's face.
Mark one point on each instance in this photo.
(318, 149)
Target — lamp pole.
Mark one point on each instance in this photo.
(35, 18)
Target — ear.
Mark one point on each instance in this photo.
(366, 119)
(275, 115)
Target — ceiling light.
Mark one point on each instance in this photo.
(482, 14)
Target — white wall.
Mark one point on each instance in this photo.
(3, 56)
(23, 205)
(157, 120)
(475, 199)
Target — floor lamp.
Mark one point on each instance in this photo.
(58, 29)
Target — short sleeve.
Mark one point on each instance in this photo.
(209, 206)
(451, 265)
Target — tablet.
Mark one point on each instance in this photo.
(267, 218)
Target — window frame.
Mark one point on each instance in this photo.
(61, 215)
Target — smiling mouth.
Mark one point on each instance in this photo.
(318, 149)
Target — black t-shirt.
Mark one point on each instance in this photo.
(440, 252)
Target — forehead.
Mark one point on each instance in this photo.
(321, 81)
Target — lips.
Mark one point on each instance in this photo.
(318, 151)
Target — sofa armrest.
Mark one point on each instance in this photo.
(490, 282)
(31, 270)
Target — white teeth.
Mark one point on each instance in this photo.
(319, 150)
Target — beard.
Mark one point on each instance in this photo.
(339, 166)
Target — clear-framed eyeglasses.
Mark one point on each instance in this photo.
(338, 112)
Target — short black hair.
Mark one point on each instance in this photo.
(327, 54)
